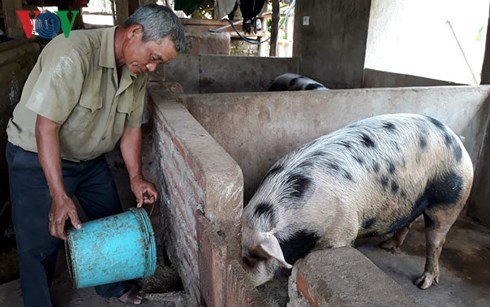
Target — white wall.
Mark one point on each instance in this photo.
(414, 37)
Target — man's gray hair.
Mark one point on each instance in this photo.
(159, 22)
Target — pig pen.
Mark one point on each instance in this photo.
(210, 152)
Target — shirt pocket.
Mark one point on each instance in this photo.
(125, 106)
(86, 114)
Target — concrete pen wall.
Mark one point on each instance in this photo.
(205, 142)
(256, 129)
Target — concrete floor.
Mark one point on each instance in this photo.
(464, 271)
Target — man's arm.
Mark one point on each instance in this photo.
(62, 206)
(143, 190)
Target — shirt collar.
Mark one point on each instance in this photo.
(107, 56)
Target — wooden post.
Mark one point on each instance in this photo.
(122, 11)
(133, 5)
(275, 27)
(13, 26)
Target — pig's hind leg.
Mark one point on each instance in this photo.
(393, 243)
(438, 221)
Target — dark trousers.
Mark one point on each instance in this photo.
(90, 181)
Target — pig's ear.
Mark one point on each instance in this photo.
(270, 247)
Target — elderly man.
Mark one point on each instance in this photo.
(84, 95)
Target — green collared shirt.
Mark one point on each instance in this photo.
(75, 84)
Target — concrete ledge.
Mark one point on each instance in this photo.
(195, 173)
(208, 43)
(212, 262)
(211, 73)
(240, 292)
(377, 78)
(172, 299)
(343, 277)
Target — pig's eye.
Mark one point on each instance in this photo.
(248, 262)
(252, 259)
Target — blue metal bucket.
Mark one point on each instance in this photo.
(115, 248)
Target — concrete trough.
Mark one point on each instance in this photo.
(211, 150)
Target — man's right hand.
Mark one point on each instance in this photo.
(62, 208)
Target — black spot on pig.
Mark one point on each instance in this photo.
(458, 152)
(376, 167)
(437, 123)
(428, 222)
(403, 194)
(366, 140)
(313, 86)
(318, 154)
(389, 126)
(276, 169)
(267, 213)
(453, 143)
(358, 159)
(417, 210)
(368, 223)
(307, 164)
(347, 175)
(442, 191)
(293, 82)
(299, 185)
(384, 181)
(449, 139)
(298, 245)
(397, 146)
(391, 167)
(394, 186)
(345, 144)
(333, 166)
(422, 142)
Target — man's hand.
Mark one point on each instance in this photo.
(143, 190)
(62, 208)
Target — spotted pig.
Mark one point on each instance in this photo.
(295, 82)
(371, 178)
